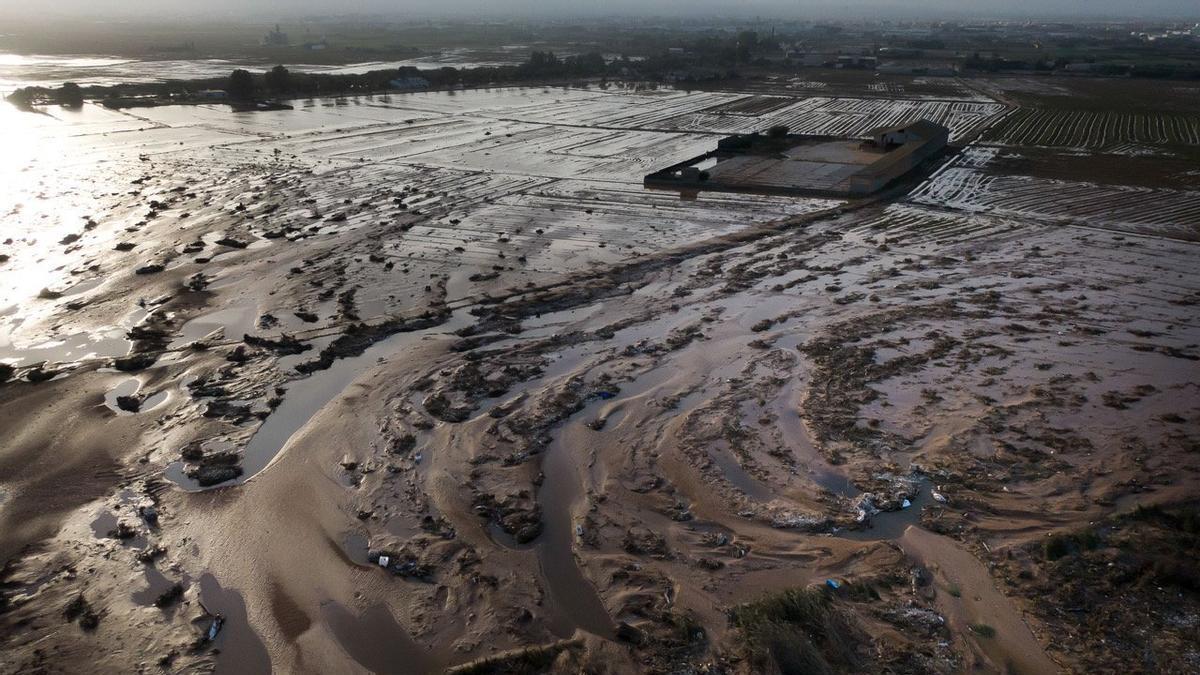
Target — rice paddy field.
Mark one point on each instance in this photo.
(1116, 132)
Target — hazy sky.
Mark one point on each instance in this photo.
(777, 8)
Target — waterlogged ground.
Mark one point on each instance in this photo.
(23, 70)
(402, 383)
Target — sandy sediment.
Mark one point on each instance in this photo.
(393, 412)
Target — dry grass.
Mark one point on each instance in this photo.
(800, 631)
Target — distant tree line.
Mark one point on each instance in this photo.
(279, 81)
(69, 95)
(242, 85)
(1148, 70)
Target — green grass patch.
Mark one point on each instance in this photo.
(983, 630)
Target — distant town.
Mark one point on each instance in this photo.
(672, 52)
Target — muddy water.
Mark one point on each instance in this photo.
(130, 387)
(156, 584)
(795, 434)
(241, 649)
(376, 641)
(1014, 649)
(110, 342)
(891, 525)
(567, 469)
(233, 322)
(305, 398)
(104, 522)
(721, 455)
(127, 388)
(575, 601)
(68, 348)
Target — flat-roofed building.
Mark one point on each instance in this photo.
(808, 165)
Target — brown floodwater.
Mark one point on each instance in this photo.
(241, 649)
(376, 641)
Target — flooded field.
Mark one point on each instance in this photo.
(430, 378)
(977, 183)
(23, 70)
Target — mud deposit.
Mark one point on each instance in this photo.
(426, 382)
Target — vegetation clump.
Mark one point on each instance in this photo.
(69, 95)
(241, 85)
(800, 631)
(1114, 578)
(1060, 545)
(983, 630)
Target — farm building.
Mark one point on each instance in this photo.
(782, 163)
(907, 133)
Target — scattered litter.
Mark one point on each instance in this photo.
(833, 583)
(578, 530)
(866, 507)
(905, 504)
(149, 513)
(215, 628)
(939, 497)
(605, 395)
(384, 560)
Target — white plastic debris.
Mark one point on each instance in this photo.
(384, 560)
(939, 497)
(905, 504)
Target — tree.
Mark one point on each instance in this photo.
(22, 98)
(241, 85)
(747, 42)
(778, 131)
(540, 64)
(279, 80)
(69, 95)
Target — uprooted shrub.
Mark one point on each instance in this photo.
(1060, 545)
(798, 631)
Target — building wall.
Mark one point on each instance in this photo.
(895, 164)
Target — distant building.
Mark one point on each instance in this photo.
(941, 70)
(275, 38)
(901, 52)
(812, 60)
(855, 61)
(412, 82)
(920, 130)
